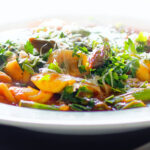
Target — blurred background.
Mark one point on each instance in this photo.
(125, 11)
(19, 9)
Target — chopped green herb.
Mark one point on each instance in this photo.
(78, 107)
(77, 49)
(83, 90)
(130, 46)
(142, 45)
(54, 66)
(8, 53)
(94, 44)
(27, 67)
(113, 72)
(28, 47)
(75, 52)
(141, 38)
(37, 36)
(132, 66)
(61, 35)
(82, 69)
(46, 55)
(84, 50)
(10, 43)
(31, 64)
(5, 53)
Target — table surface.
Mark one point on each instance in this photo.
(20, 139)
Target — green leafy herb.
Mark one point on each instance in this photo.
(6, 50)
(37, 37)
(84, 91)
(141, 43)
(27, 67)
(132, 66)
(61, 35)
(31, 64)
(113, 72)
(67, 93)
(78, 107)
(84, 50)
(124, 77)
(8, 53)
(54, 66)
(130, 46)
(3, 61)
(28, 47)
(46, 55)
(10, 43)
(75, 52)
(94, 44)
(82, 69)
(141, 38)
(79, 96)
(77, 49)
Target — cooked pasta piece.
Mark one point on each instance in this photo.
(16, 73)
(52, 82)
(5, 92)
(5, 78)
(30, 94)
(69, 62)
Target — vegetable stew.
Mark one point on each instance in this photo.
(67, 67)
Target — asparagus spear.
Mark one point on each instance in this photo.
(143, 95)
(30, 104)
(134, 104)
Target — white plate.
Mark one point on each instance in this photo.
(77, 122)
